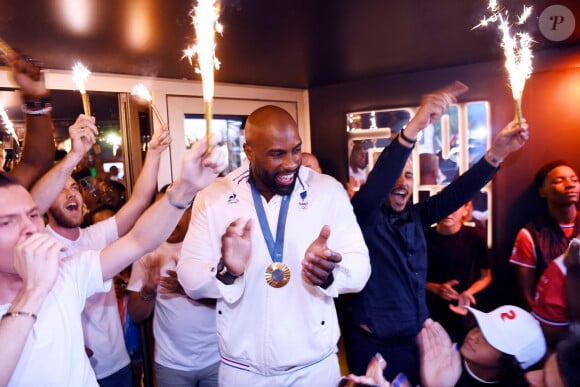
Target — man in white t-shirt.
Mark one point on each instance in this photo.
(186, 349)
(102, 327)
(42, 294)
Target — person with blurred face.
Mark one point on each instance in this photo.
(289, 243)
(186, 344)
(390, 311)
(458, 269)
(310, 161)
(357, 167)
(547, 236)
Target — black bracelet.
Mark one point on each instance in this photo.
(37, 103)
(223, 275)
(147, 297)
(402, 134)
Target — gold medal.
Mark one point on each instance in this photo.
(277, 274)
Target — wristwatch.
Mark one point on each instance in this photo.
(223, 274)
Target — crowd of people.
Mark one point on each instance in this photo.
(240, 272)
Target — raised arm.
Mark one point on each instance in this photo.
(38, 150)
(146, 184)
(48, 187)
(198, 170)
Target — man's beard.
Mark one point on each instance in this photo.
(63, 220)
(280, 189)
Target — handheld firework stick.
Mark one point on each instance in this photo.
(80, 74)
(141, 91)
(205, 20)
(516, 48)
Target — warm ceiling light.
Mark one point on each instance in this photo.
(77, 15)
(138, 28)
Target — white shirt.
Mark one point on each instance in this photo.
(54, 354)
(184, 329)
(103, 331)
(260, 328)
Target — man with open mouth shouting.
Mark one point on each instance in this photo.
(390, 311)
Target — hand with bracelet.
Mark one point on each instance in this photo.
(508, 140)
(38, 152)
(148, 290)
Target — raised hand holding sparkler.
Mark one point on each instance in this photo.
(516, 50)
(141, 91)
(205, 20)
(80, 74)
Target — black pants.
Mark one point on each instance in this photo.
(401, 354)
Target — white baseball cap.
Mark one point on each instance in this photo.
(512, 330)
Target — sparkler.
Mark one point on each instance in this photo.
(7, 122)
(80, 74)
(516, 48)
(141, 91)
(6, 51)
(205, 20)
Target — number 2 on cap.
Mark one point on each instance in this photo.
(509, 315)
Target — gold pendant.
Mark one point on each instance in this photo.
(277, 274)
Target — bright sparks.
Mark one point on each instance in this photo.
(7, 123)
(80, 74)
(516, 48)
(142, 92)
(205, 20)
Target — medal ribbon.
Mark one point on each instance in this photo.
(274, 247)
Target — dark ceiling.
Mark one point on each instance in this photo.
(298, 43)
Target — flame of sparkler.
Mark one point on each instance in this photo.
(141, 91)
(518, 57)
(516, 48)
(80, 74)
(205, 20)
(7, 122)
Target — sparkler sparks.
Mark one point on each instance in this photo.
(7, 122)
(516, 48)
(205, 20)
(141, 91)
(80, 74)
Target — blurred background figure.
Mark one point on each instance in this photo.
(458, 268)
(311, 161)
(429, 169)
(358, 161)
